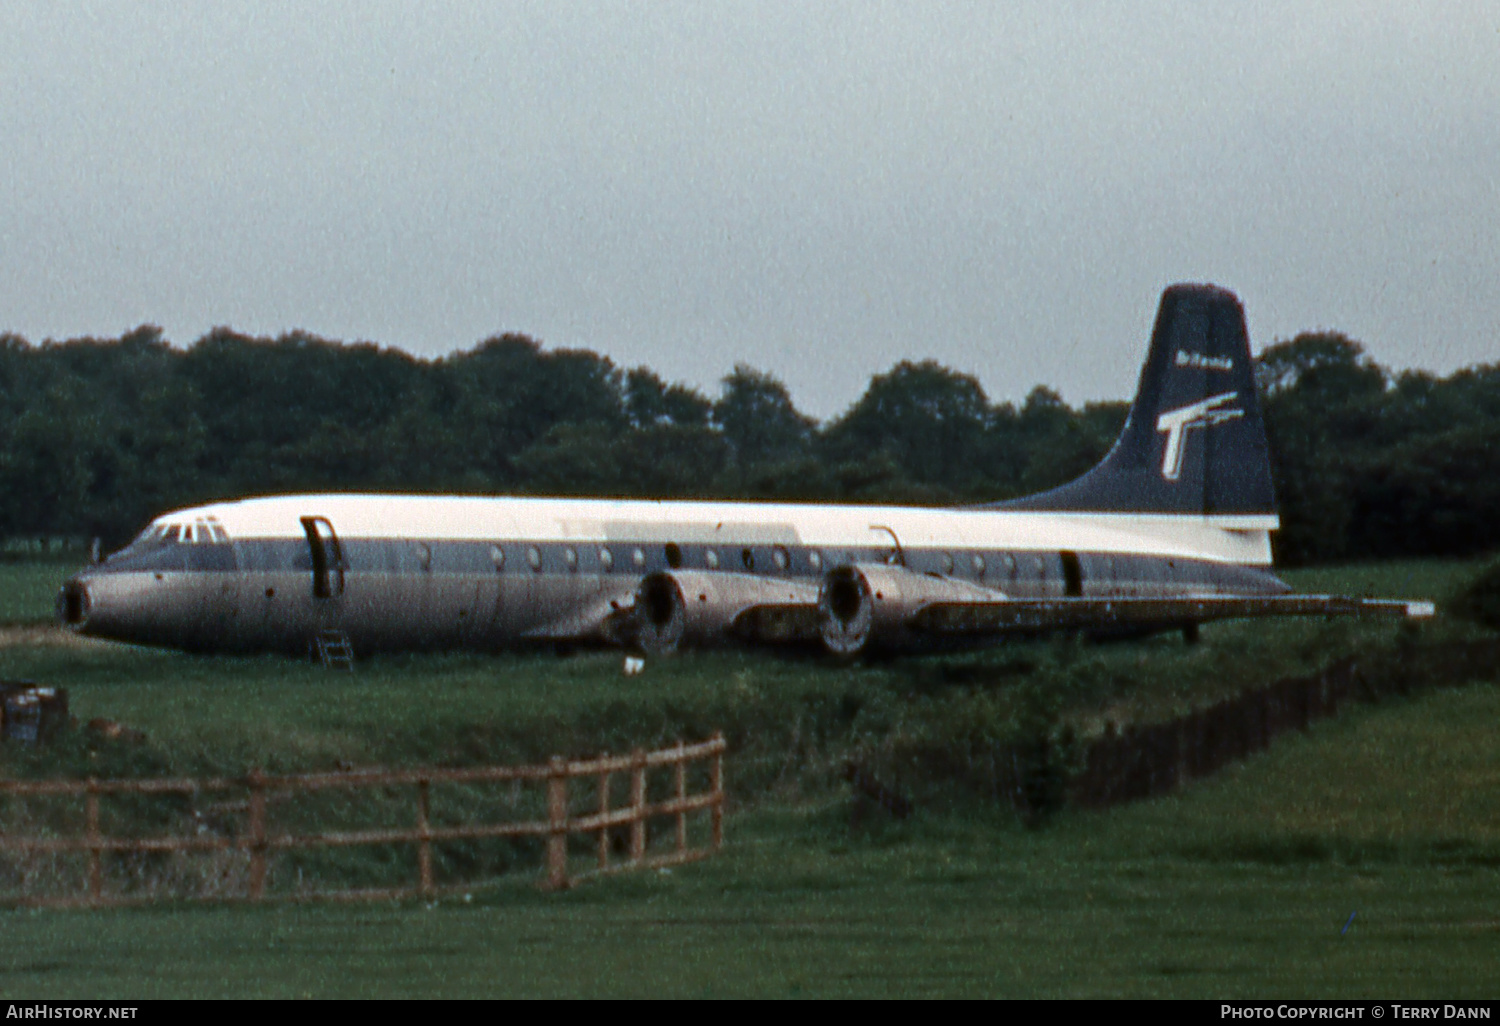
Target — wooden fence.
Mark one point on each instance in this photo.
(1144, 761)
(621, 831)
(1131, 762)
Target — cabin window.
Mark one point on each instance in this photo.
(570, 557)
(947, 562)
(497, 557)
(978, 562)
(534, 557)
(638, 557)
(815, 559)
(606, 558)
(747, 558)
(673, 553)
(780, 558)
(711, 559)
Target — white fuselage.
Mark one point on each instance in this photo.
(441, 571)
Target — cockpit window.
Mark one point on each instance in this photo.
(152, 538)
(157, 536)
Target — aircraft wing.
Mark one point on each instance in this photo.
(886, 607)
(1105, 614)
(855, 608)
(600, 620)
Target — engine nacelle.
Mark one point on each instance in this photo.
(702, 608)
(867, 606)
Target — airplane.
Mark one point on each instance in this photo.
(1169, 531)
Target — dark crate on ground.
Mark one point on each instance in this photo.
(31, 713)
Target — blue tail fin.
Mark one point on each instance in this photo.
(1194, 441)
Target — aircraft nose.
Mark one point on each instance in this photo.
(73, 603)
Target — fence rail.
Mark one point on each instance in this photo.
(259, 839)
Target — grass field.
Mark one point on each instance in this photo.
(1238, 886)
(28, 589)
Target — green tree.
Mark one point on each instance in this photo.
(758, 419)
(509, 393)
(667, 460)
(650, 402)
(927, 417)
(1322, 399)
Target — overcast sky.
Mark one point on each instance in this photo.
(816, 189)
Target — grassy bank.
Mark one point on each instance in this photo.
(1239, 887)
(1235, 886)
(790, 721)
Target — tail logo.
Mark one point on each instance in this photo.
(1177, 423)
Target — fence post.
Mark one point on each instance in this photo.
(603, 812)
(681, 796)
(1184, 749)
(424, 846)
(716, 811)
(557, 826)
(638, 807)
(257, 783)
(96, 867)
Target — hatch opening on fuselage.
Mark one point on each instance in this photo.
(327, 557)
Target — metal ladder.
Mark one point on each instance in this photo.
(334, 650)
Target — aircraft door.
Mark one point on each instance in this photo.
(892, 553)
(328, 565)
(1072, 574)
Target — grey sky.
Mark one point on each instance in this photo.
(816, 189)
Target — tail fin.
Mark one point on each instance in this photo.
(1194, 442)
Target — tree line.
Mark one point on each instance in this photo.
(99, 435)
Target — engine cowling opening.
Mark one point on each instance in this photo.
(876, 606)
(661, 618)
(845, 610)
(73, 604)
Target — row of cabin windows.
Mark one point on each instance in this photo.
(209, 532)
(780, 557)
(1007, 564)
(673, 553)
(175, 543)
